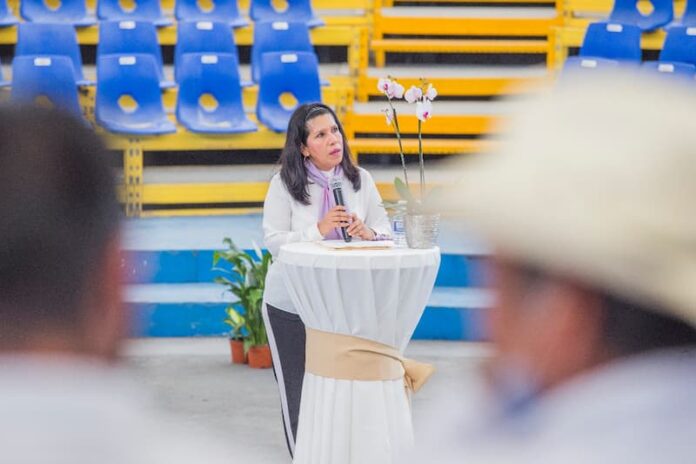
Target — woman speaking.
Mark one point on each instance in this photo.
(299, 207)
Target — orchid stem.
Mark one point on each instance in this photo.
(420, 160)
(398, 137)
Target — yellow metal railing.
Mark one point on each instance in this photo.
(165, 195)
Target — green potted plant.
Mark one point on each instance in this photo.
(422, 227)
(245, 280)
(237, 324)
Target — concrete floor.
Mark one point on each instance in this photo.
(192, 379)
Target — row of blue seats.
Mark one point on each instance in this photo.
(662, 14)
(140, 37)
(129, 101)
(608, 44)
(75, 12)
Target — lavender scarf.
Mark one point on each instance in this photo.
(318, 177)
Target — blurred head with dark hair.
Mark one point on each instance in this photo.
(59, 254)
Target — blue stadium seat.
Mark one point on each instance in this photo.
(294, 73)
(132, 37)
(51, 39)
(128, 96)
(210, 37)
(297, 10)
(626, 12)
(6, 16)
(50, 77)
(226, 11)
(217, 78)
(278, 36)
(73, 12)
(579, 63)
(141, 10)
(680, 45)
(682, 71)
(613, 42)
(678, 57)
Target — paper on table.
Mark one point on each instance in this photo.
(357, 245)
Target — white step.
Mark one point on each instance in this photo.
(441, 297)
(464, 12)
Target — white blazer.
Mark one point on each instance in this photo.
(286, 220)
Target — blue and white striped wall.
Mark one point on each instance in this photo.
(171, 294)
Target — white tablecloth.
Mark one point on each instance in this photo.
(374, 294)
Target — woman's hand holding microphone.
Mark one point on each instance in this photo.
(338, 217)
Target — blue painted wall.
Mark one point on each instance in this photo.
(205, 319)
(193, 266)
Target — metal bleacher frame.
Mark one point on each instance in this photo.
(361, 35)
(441, 33)
(452, 27)
(476, 125)
(489, 86)
(348, 31)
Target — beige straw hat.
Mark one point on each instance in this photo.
(596, 179)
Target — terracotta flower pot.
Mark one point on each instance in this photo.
(260, 357)
(237, 349)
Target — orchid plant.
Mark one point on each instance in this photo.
(422, 95)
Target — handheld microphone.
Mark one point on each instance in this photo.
(336, 187)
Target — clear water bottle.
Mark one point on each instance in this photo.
(398, 223)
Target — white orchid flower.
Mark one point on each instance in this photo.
(387, 87)
(431, 93)
(424, 110)
(383, 85)
(413, 94)
(398, 90)
(389, 115)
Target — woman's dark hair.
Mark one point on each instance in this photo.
(292, 163)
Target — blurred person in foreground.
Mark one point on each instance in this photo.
(590, 208)
(63, 399)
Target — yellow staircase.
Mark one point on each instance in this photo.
(487, 31)
(495, 36)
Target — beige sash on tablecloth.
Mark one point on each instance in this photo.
(339, 356)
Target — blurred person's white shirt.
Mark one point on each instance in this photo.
(638, 410)
(68, 411)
